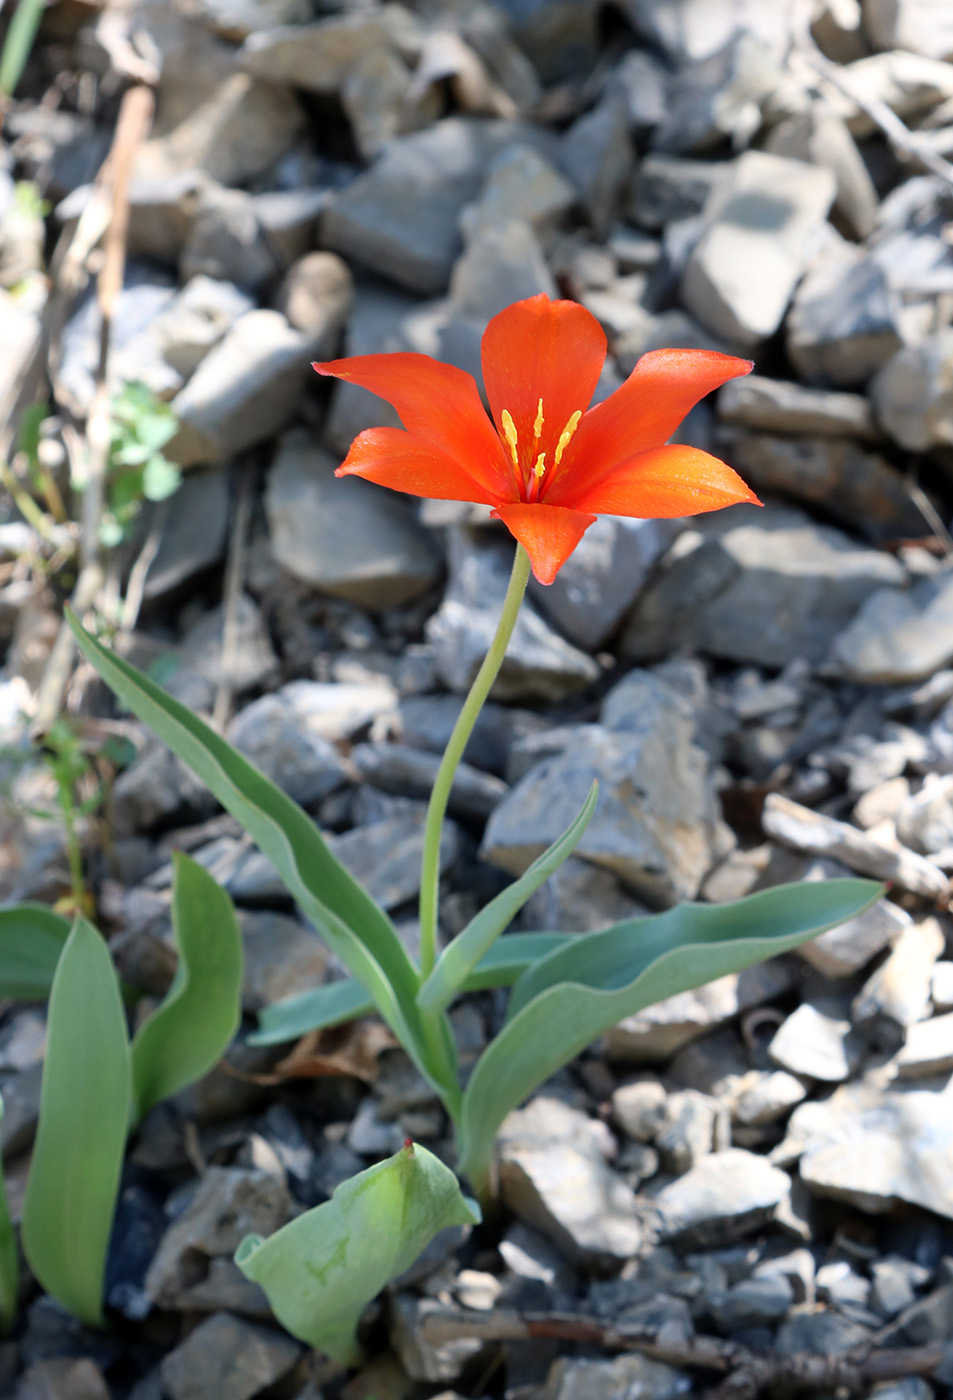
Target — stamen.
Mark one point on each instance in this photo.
(566, 435)
(540, 466)
(509, 432)
(538, 425)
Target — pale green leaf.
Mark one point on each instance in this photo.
(320, 1272)
(192, 1028)
(336, 1002)
(353, 925)
(563, 1002)
(461, 956)
(85, 1103)
(31, 941)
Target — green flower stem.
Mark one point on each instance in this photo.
(436, 811)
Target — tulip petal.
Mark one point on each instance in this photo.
(549, 534)
(541, 349)
(642, 414)
(405, 462)
(666, 482)
(438, 403)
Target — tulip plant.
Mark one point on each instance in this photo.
(547, 464)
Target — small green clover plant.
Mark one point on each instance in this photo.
(321, 1270)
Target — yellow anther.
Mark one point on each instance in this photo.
(565, 436)
(538, 425)
(540, 466)
(509, 432)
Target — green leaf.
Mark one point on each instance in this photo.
(461, 956)
(320, 1272)
(188, 1034)
(563, 1002)
(160, 479)
(353, 925)
(85, 1102)
(19, 41)
(9, 1259)
(337, 1002)
(31, 941)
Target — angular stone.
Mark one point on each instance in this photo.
(816, 1045)
(718, 99)
(670, 188)
(897, 994)
(63, 1378)
(755, 585)
(401, 217)
(347, 538)
(928, 1049)
(196, 319)
(596, 154)
(409, 772)
(820, 138)
(656, 1033)
(806, 830)
(303, 764)
(913, 393)
(226, 1359)
(522, 185)
(226, 241)
(859, 489)
(500, 265)
(780, 406)
(725, 1197)
(764, 1096)
(822, 1333)
(385, 856)
(539, 665)
(923, 26)
(756, 235)
(603, 576)
(281, 957)
(318, 57)
(639, 1108)
(580, 898)
(872, 1147)
(252, 660)
(843, 951)
(315, 298)
(660, 843)
(616, 1378)
(421, 1359)
(228, 1204)
(244, 391)
(843, 324)
(925, 820)
(553, 1175)
(337, 709)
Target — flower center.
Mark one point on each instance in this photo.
(530, 477)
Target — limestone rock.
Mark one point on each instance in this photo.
(913, 393)
(816, 1045)
(897, 995)
(725, 1197)
(899, 636)
(616, 1378)
(347, 538)
(227, 1359)
(303, 764)
(781, 406)
(924, 26)
(756, 233)
(844, 320)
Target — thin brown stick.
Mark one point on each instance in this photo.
(746, 1374)
(135, 116)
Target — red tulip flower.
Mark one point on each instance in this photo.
(546, 462)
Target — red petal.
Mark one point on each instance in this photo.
(438, 403)
(541, 349)
(642, 414)
(666, 482)
(547, 533)
(404, 462)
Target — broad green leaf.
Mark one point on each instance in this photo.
(9, 1259)
(461, 956)
(31, 941)
(563, 1002)
(337, 1002)
(85, 1103)
(353, 925)
(191, 1030)
(320, 1272)
(21, 33)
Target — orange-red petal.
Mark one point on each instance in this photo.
(541, 349)
(549, 534)
(439, 404)
(666, 482)
(405, 462)
(642, 414)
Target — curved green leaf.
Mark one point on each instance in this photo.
(337, 1002)
(352, 924)
(191, 1030)
(461, 956)
(85, 1103)
(31, 941)
(320, 1272)
(9, 1259)
(565, 1001)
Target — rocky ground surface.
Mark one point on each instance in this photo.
(754, 1179)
